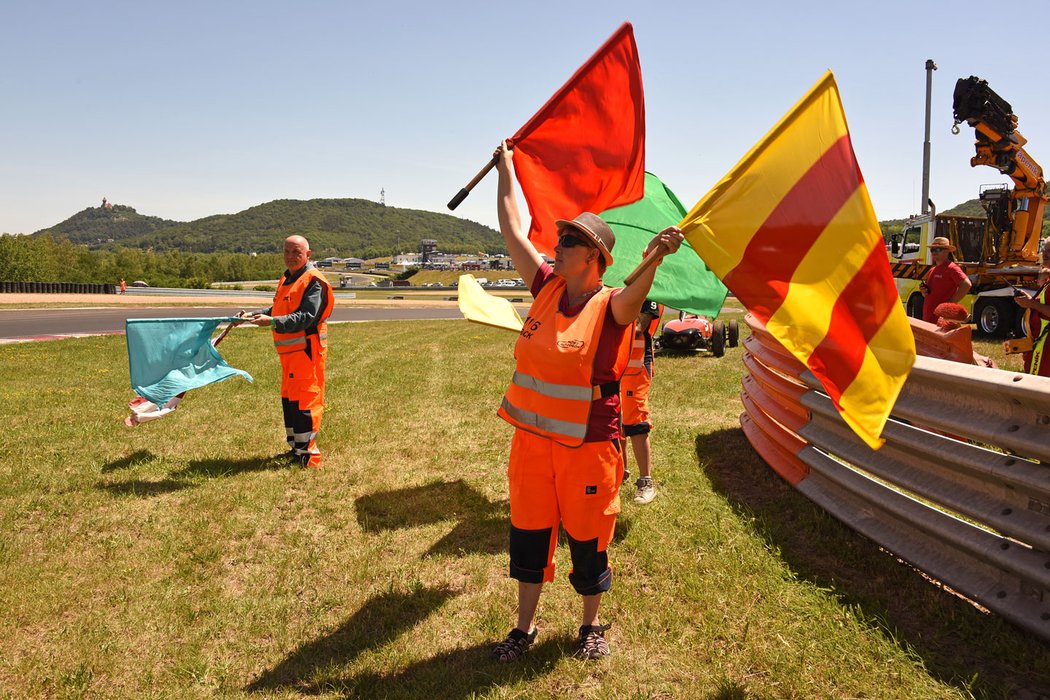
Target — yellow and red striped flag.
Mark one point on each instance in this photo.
(792, 233)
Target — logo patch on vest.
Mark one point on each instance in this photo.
(590, 490)
(570, 343)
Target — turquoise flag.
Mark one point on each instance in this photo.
(168, 356)
(682, 281)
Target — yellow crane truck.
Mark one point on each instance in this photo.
(999, 251)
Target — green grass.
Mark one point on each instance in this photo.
(180, 560)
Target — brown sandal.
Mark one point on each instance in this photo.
(591, 643)
(514, 646)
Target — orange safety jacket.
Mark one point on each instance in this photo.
(636, 365)
(553, 386)
(287, 300)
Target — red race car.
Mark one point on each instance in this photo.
(694, 333)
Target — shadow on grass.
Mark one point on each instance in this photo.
(462, 673)
(144, 489)
(178, 480)
(381, 620)
(133, 459)
(729, 690)
(948, 633)
(481, 528)
(224, 467)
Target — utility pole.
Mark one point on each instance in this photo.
(930, 67)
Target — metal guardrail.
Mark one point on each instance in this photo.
(183, 292)
(960, 490)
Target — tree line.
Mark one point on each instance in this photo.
(47, 259)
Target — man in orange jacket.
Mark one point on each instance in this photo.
(301, 306)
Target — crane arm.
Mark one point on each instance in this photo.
(1000, 146)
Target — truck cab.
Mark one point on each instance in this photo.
(991, 298)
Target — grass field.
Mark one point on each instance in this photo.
(180, 559)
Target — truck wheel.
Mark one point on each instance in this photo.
(994, 317)
(914, 306)
(734, 333)
(718, 338)
(1019, 328)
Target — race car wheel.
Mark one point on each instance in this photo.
(718, 338)
(734, 333)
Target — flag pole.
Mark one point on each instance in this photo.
(462, 194)
(227, 329)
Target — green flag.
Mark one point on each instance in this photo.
(682, 281)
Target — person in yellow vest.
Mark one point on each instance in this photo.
(634, 394)
(566, 463)
(298, 318)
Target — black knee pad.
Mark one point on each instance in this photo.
(590, 568)
(529, 550)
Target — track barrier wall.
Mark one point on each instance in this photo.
(56, 288)
(961, 488)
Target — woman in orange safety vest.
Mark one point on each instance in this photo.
(565, 458)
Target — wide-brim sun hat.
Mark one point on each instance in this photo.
(942, 242)
(596, 230)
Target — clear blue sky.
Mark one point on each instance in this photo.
(184, 110)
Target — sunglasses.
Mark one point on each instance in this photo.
(566, 240)
(937, 250)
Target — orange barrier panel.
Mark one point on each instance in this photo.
(789, 392)
(789, 444)
(778, 407)
(787, 465)
(770, 357)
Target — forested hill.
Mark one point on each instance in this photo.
(97, 225)
(341, 227)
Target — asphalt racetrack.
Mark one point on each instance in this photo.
(43, 324)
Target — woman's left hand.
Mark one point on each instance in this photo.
(668, 240)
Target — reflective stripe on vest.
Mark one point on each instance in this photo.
(558, 430)
(1039, 344)
(553, 388)
(637, 362)
(287, 300)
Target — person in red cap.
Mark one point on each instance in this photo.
(945, 282)
(566, 461)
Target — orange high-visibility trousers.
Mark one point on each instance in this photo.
(634, 403)
(578, 487)
(302, 400)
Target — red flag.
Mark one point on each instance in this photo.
(585, 149)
